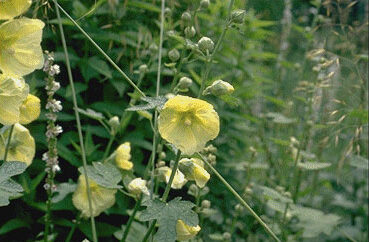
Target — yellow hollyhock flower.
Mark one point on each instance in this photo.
(13, 91)
(12, 8)
(186, 232)
(138, 186)
(22, 145)
(188, 123)
(179, 179)
(193, 169)
(101, 198)
(20, 50)
(30, 109)
(123, 155)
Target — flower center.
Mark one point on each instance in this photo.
(187, 121)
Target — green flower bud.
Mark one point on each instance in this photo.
(143, 69)
(114, 124)
(153, 48)
(190, 32)
(206, 204)
(239, 208)
(206, 44)
(184, 83)
(238, 16)
(186, 17)
(226, 236)
(193, 190)
(204, 4)
(219, 88)
(167, 12)
(174, 55)
(160, 164)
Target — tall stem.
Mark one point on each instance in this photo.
(79, 128)
(130, 220)
(101, 51)
(8, 143)
(240, 199)
(165, 194)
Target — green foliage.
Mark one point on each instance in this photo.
(104, 174)
(8, 187)
(167, 215)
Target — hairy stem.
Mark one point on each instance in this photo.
(79, 128)
(8, 143)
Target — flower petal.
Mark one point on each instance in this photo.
(12, 8)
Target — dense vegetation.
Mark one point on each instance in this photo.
(293, 137)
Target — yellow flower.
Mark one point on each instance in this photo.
(13, 91)
(30, 109)
(101, 198)
(188, 123)
(123, 155)
(20, 50)
(193, 169)
(138, 186)
(22, 145)
(179, 179)
(12, 8)
(186, 232)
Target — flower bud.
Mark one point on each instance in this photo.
(123, 156)
(238, 16)
(179, 179)
(186, 17)
(190, 32)
(174, 55)
(204, 4)
(184, 83)
(206, 204)
(193, 169)
(114, 124)
(160, 164)
(138, 186)
(186, 232)
(219, 88)
(226, 236)
(239, 208)
(30, 109)
(193, 190)
(143, 69)
(153, 48)
(206, 44)
(145, 114)
(167, 12)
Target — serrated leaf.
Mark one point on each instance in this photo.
(8, 187)
(91, 114)
(104, 174)
(167, 215)
(313, 165)
(152, 102)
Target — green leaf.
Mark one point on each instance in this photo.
(136, 232)
(273, 194)
(104, 174)
(167, 215)
(280, 118)
(100, 66)
(152, 102)
(9, 188)
(313, 165)
(359, 162)
(91, 114)
(63, 190)
(13, 224)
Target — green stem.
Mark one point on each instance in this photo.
(71, 232)
(8, 143)
(130, 220)
(79, 128)
(165, 194)
(47, 216)
(240, 199)
(108, 147)
(101, 51)
(210, 60)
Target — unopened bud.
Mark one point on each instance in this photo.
(206, 204)
(160, 164)
(193, 190)
(167, 12)
(186, 17)
(190, 32)
(226, 236)
(239, 208)
(153, 47)
(184, 83)
(238, 16)
(114, 123)
(143, 69)
(204, 4)
(219, 88)
(174, 55)
(206, 44)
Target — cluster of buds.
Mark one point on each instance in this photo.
(219, 88)
(209, 152)
(52, 130)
